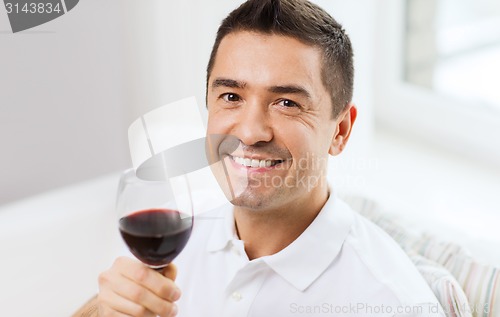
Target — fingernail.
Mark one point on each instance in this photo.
(174, 310)
(176, 294)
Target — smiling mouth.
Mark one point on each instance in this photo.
(248, 162)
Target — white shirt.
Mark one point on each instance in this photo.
(341, 265)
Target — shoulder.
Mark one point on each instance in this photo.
(370, 250)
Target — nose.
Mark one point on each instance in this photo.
(254, 125)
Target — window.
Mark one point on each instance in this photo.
(438, 66)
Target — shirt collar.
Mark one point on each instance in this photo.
(312, 252)
(316, 248)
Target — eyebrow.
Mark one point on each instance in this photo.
(290, 89)
(230, 83)
(280, 89)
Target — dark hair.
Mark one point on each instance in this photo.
(307, 23)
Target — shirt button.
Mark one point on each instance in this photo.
(236, 296)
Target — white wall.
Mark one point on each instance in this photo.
(167, 48)
(61, 100)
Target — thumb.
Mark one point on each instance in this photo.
(170, 271)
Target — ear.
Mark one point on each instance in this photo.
(343, 129)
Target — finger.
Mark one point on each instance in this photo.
(170, 271)
(107, 312)
(141, 295)
(113, 304)
(160, 285)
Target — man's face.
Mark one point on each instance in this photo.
(265, 92)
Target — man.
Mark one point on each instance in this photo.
(279, 80)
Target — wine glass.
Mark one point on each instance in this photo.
(155, 217)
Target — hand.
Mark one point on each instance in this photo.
(130, 288)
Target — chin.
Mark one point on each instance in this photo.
(247, 204)
(257, 200)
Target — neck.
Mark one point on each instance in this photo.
(269, 231)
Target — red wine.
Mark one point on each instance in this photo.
(156, 236)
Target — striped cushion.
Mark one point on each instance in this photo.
(446, 288)
(479, 282)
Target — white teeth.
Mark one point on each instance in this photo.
(252, 162)
(240, 160)
(255, 163)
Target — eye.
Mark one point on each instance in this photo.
(287, 103)
(230, 97)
